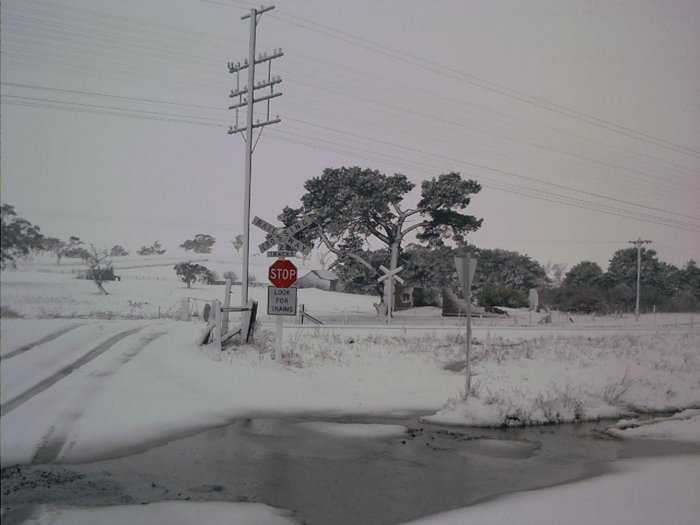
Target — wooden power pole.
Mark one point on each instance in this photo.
(638, 243)
(249, 101)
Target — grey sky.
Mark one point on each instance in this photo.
(580, 119)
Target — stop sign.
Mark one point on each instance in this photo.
(282, 273)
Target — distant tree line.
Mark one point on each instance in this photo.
(503, 278)
(664, 287)
(21, 238)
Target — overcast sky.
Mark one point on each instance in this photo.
(581, 120)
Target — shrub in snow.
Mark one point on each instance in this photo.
(190, 272)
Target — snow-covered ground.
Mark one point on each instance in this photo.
(166, 513)
(114, 375)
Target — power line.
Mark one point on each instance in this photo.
(509, 188)
(589, 159)
(96, 109)
(486, 85)
(525, 191)
(106, 95)
(121, 21)
(488, 168)
(180, 118)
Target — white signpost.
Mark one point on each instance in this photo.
(465, 271)
(390, 276)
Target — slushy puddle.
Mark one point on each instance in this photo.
(361, 470)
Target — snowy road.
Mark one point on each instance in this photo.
(67, 368)
(46, 339)
(64, 371)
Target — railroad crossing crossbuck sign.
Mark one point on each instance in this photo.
(284, 236)
(390, 274)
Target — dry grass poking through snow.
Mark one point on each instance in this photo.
(556, 379)
(550, 379)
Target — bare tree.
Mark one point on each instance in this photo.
(555, 271)
(99, 264)
(237, 242)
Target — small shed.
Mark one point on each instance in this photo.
(405, 297)
(321, 279)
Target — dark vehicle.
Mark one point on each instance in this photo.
(105, 274)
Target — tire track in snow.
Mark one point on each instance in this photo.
(10, 405)
(56, 440)
(46, 339)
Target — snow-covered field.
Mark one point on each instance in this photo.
(87, 376)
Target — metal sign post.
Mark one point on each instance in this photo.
(465, 271)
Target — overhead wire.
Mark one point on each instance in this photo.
(130, 20)
(517, 189)
(362, 153)
(481, 83)
(374, 140)
(160, 115)
(157, 115)
(448, 121)
(351, 76)
(458, 124)
(536, 145)
(488, 168)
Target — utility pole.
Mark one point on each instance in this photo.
(249, 101)
(638, 243)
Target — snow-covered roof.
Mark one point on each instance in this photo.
(326, 275)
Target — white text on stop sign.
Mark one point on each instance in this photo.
(284, 274)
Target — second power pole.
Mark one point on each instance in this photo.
(638, 243)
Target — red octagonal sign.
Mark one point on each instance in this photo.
(282, 273)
